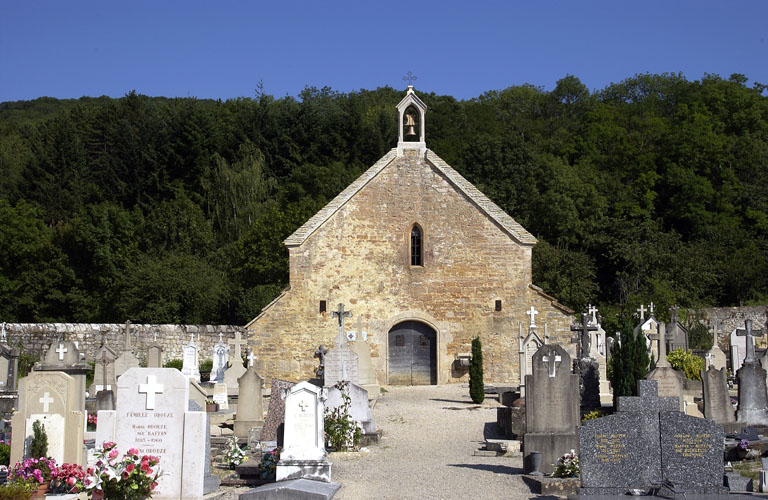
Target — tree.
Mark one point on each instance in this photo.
(38, 447)
(476, 387)
(629, 363)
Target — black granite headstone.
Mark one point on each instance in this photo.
(691, 453)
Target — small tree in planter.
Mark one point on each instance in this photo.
(39, 446)
(476, 386)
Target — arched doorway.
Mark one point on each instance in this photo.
(412, 354)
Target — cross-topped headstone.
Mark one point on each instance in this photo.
(749, 333)
(532, 313)
(127, 337)
(151, 388)
(46, 400)
(104, 369)
(582, 338)
(359, 327)
(673, 314)
(661, 338)
(410, 78)
(642, 310)
(593, 311)
(60, 351)
(239, 341)
(553, 362)
(341, 314)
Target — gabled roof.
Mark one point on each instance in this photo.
(485, 205)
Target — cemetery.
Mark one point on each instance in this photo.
(372, 392)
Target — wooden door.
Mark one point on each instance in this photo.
(412, 354)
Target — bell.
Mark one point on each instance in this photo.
(411, 132)
(410, 124)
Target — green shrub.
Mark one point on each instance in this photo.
(89, 374)
(476, 386)
(592, 415)
(39, 445)
(26, 361)
(17, 490)
(686, 362)
(341, 432)
(174, 363)
(5, 454)
(206, 365)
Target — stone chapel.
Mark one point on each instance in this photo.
(424, 262)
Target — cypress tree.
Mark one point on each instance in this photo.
(39, 446)
(476, 386)
(629, 363)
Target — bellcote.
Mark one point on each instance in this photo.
(411, 112)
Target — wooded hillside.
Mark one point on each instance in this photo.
(174, 210)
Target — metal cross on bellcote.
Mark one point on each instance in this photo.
(410, 78)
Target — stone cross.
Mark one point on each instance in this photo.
(583, 335)
(46, 400)
(662, 338)
(593, 311)
(191, 339)
(359, 328)
(651, 308)
(553, 362)
(104, 369)
(221, 338)
(239, 341)
(341, 314)
(61, 350)
(532, 313)
(251, 357)
(642, 310)
(709, 357)
(749, 333)
(127, 339)
(151, 388)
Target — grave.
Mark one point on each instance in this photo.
(153, 415)
(677, 333)
(236, 368)
(527, 347)
(9, 365)
(359, 411)
(670, 382)
(716, 356)
(738, 344)
(552, 410)
(53, 398)
(341, 363)
(190, 360)
(64, 356)
(220, 354)
(155, 354)
(717, 402)
(274, 422)
(599, 352)
(647, 442)
(585, 367)
(211, 482)
(366, 374)
(127, 359)
(250, 409)
(303, 455)
(103, 370)
(753, 402)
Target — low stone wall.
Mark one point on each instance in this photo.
(728, 318)
(34, 338)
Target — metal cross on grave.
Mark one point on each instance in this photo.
(46, 400)
(239, 341)
(532, 313)
(642, 310)
(151, 388)
(341, 314)
(552, 361)
(749, 333)
(583, 335)
(61, 350)
(410, 78)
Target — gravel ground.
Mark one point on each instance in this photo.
(430, 433)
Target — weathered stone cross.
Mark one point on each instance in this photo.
(239, 341)
(341, 314)
(127, 338)
(642, 310)
(661, 337)
(359, 328)
(46, 400)
(151, 388)
(553, 362)
(709, 357)
(583, 335)
(251, 357)
(749, 333)
(61, 350)
(104, 370)
(532, 313)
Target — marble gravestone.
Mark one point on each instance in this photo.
(190, 360)
(52, 398)
(153, 415)
(359, 410)
(341, 363)
(753, 401)
(670, 382)
(275, 420)
(127, 359)
(220, 356)
(717, 401)
(551, 407)
(250, 408)
(303, 455)
(649, 441)
(64, 356)
(366, 374)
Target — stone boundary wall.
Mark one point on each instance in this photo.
(728, 318)
(36, 337)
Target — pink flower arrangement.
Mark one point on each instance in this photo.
(129, 477)
(34, 470)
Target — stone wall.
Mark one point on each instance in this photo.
(360, 257)
(728, 318)
(36, 337)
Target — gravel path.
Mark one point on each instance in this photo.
(430, 433)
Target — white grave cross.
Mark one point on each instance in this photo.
(532, 313)
(709, 357)
(238, 342)
(151, 388)
(251, 357)
(553, 363)
(642, 310)
(46, 400)
(61, 350)
(593, 311)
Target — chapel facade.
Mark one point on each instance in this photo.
(424, 262)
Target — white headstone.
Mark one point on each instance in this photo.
(220, 353)
(190, 360)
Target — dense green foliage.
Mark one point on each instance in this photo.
(629, 362)
(476, 386)
(38, 447)
(686, 362)
(174, 210)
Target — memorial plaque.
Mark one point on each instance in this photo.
(692, 452)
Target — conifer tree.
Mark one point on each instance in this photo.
(476, 386)
(38, 447)
(629, 363)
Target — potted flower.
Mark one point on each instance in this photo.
(211, 405)
(92, 421)
(567, 465)
(268, 465)
(67, 478)
(129, 477)
(36, 472)
(234, 455)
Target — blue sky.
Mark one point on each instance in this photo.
(222, 49)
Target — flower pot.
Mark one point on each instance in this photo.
(535, 463)
(40, 493)
(211, 407)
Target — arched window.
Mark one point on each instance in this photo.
(416, 247)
